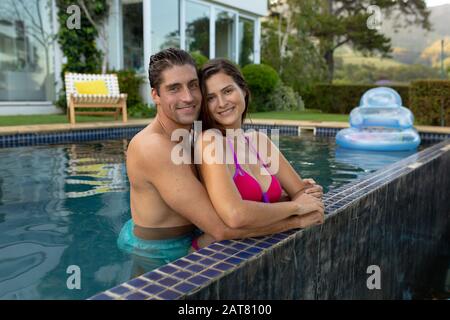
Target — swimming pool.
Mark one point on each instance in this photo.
(64, 205)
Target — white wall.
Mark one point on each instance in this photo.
(13, 108)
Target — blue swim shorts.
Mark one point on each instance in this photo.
(159, 252)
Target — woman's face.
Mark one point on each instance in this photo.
(225, 100)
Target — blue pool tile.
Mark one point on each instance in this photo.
(234, 260)
(184, 287)
(230, 251)
(169, 295)
(215, 246)
(153, 289)
(210, 273)
(168, 281)
(239, 246)
(205, 252)
(272, 240)
(101, 296)
(263, 245)
(137, 283)
(193, 257)
(153, 275)
(223, 266)
(219, 256)
(182, 274)
(243, 255)
(254, 250)
(181, 263)
(195, 268)
(225, 242)
(136, 296)
(198, 280)
(280, 236)
(119, 290)
(168, 269)
(207, 262)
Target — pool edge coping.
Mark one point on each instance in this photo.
(302, 124)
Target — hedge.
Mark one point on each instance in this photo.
(427, 98)
(331, 98)
(262, 81)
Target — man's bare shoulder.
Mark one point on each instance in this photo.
(149, 147)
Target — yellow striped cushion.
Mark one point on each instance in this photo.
(91, 87)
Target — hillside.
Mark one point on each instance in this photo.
(409, 43)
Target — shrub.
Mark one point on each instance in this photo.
(342, 98)
(430, 98)
(142, 110)
(262, 81)
(62, 101)
(284, 98)
(199, 59)
(130, 83)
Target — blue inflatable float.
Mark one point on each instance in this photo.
(380, 123)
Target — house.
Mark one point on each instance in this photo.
(31, 63)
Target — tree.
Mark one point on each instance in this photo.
(95, 13)
(79, 45)
(287, 46)
(339, 22)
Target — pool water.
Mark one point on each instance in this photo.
(64, 205)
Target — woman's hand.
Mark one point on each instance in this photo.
(309, 204)
(312, 188)
(307, 220)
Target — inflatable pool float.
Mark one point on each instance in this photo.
(380, 123)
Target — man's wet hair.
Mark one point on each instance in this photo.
(166, 59)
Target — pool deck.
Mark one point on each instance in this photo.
(303, 125)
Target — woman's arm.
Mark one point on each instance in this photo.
(232, 209)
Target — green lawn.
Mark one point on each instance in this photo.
(49, 119)
(307, 115)
(312, 115)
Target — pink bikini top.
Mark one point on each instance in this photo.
(249, 187)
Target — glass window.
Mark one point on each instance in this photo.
(225, 35)
(165, 21)
(26, 51)
(197, 28)
(246, 36)
(133, 35)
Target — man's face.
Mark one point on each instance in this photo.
(179, 95)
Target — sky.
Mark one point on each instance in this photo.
(432, 3)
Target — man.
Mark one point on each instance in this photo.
(167, 200)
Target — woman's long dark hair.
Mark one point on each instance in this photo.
(211, 68)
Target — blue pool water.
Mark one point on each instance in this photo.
(64, 205)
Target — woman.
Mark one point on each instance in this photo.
(237, 189)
